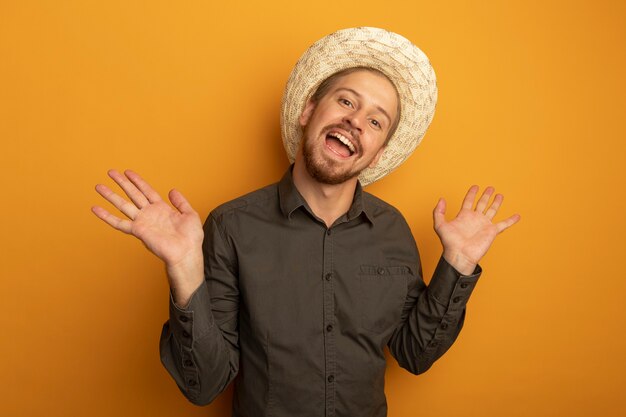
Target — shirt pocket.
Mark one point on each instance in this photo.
(383, 291)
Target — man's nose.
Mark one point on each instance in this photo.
(355, 120)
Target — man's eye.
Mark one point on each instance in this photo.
(375, 123)
(346, 102)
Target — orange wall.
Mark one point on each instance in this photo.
(532, 101)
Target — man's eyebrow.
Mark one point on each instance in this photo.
(359, 96)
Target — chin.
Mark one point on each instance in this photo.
(322, 173)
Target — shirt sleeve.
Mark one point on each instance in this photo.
(199, 344)
(432, 316)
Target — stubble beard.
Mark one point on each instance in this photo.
(321, 169)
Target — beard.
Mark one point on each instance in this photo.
(323, 170)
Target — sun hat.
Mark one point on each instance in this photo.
(403, 63)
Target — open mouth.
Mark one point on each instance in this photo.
(340, 144)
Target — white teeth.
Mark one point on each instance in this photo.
(344, 140)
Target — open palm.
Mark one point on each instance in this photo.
(470, 234)
(170, 233)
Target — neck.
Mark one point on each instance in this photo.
(328, 202)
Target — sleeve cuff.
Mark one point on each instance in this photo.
(449, 287)
(194, 321)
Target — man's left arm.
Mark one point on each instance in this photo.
(433, 316)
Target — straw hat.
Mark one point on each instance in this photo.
(402, 62)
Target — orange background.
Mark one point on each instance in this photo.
(531, 101)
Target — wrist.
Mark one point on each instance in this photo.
(459, 262)
(185, 276)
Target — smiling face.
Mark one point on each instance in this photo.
(345, 131)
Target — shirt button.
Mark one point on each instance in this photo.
(456, 299)
(464, 285)
(188, 362)
(381, 271)
(328, 232)
(185, 334)
(329, 328)
(444, 326)
(184, 319)
(329, 276)
(331, 378)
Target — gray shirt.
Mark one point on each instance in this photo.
(298, 314)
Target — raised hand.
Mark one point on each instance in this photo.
(173, 234)
(467, 237)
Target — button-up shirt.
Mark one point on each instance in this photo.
(298, 314)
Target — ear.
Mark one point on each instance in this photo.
(377, 156)
(306, 113)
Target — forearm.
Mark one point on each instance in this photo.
(200, 342)
(196, 352)
(434, 319)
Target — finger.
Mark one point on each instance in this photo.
(506, 223)
(126, 207)
(497, 202)
(439, 212)
(129, 188)
(180, 202)
(484, 199)
(111, 220)
(143, 186)
(468, 202)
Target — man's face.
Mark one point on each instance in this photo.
(345, 132)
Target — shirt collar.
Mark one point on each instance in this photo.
(291, 199)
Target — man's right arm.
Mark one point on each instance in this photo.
(200, 343)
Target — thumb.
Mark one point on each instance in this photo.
(179, 201)
(439, 213)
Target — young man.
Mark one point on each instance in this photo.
(293, 291)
